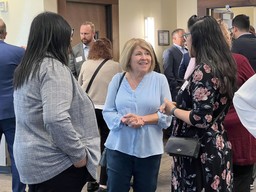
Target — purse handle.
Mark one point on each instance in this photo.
(94, 75)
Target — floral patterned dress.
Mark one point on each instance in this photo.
(212, 171)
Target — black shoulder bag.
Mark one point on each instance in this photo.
(185, 146)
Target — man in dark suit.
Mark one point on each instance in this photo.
(244, 42)
(172, 58)
(184, 65)
(10, 57)
(80, 51)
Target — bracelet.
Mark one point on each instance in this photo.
(172, 111)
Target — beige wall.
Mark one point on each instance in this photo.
(186, 8)
(168, 15)
(20, 15)
(18, 19)
(250, 11)
(50, 5)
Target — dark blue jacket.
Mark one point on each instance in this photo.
(246, 46)
(10, 57)
(184, 65)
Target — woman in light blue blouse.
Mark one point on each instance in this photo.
(131, 112)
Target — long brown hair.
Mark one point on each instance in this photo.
(211, 47)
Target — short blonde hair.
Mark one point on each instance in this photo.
(125, 58)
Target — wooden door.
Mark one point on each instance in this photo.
(103, 13)
(78, 13)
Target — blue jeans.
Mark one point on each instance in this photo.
(7, 127)
(122, 167)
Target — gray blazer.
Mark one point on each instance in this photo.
(76, 59)
(55, 125)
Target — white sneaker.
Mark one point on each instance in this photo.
(251, 186)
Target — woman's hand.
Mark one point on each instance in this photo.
(81, 163)
(167, 107)
(133, 120)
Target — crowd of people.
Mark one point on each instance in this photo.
(64, 106)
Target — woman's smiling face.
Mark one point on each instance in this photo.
(141, 60)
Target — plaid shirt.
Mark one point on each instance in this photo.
(55, 125)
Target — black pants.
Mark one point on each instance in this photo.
(242, 177)
(104, 131)
(72, 179)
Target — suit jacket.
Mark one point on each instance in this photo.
(172, 58)
(77, 58)
(246, 45)
(10, 57)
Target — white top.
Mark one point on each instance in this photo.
(245, 104)
(190, 68)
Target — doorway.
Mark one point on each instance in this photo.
(103, 13)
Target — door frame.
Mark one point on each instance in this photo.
(112, 22)
(203, 6)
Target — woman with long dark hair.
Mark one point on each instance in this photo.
(56, 145)
(202, 104)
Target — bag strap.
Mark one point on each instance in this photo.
(120, 82)
(94, 75)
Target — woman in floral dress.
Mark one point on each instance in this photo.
(206, 94)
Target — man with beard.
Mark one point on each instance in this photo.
(80, 51)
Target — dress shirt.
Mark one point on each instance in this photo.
(190, 68)
(86, 51)
(182, 49)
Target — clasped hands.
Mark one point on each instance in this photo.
(132, 120)
(167, 107)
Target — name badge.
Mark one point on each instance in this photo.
(184, 85)
(78, 59)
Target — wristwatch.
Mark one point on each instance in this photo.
(172, 111)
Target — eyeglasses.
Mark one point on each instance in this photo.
(231, 29)
(185, 35)
(72, 32)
